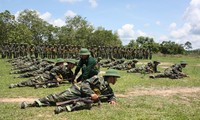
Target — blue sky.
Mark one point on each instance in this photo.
(175, 20)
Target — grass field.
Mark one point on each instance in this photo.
(138, 96)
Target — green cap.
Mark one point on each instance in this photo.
(60, 60)
(112, 72)
(156, 62)
(135, 60)
(183, 62)
(32, 56)
(84, 51)
(73, 61)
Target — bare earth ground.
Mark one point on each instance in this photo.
(134, 92)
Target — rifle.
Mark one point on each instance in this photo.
(85, 100)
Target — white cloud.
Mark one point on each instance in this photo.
(46, 16)
(157, 22)
(58, 22)
(163, 38)
(70, 13)
(93, 3)
(190, 31)
(17, 14)
(182, 32)
(140, 33)
(127, 33)
(172, 26)
(70, 1)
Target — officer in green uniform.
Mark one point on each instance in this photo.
(91, 88)
(87, 64)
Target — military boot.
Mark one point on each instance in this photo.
(12, 86)
(152, 76)
(60, 109)
(24, 105)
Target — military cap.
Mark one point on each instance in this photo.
(32, 56)
(84, 51)
(183, 62)
(99, 58)
(60, 60)
(135, 60)
(73, 61)
(156, 62)
(112, 72)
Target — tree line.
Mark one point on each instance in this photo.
(29, 28)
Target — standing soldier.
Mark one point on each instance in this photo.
(150, 53)
(87, 64)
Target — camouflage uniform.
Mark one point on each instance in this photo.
(47, 77)
(146, 69)
(47, 67)
(76, 91)
(174, 72)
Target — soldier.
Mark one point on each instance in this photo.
(155, 64)
(174, 72)
(90, 89)
(35, 66)
(148, 68)
(47, 66)
(55, 76)
(87, 64)
(126, 66)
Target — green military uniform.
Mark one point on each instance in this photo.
(87, 65)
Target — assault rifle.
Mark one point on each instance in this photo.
(85, 100)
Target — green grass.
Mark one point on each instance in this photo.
(150, 107)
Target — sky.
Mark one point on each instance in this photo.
(163, 20)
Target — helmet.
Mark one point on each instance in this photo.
(73, 61)
(84, 51)
(183, 63)
(112, 72)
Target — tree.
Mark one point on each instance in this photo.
(36, 25)
(188, 45)
(132, 44)
(7, 23)
(79, 30)
(168, 47)
(102, 37)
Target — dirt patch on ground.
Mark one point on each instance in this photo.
(10, 100)
(198, 65)
(131, 93)
(160, 92)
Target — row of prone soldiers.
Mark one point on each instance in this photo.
(173, 72)
(81, 95)
(42, 73)
(52, 51)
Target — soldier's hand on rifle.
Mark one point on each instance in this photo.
(113, 102)
(94, 97)
(59, 79)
